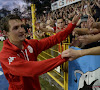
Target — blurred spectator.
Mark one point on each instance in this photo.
(86, 26)
(30, 34)
(38, 33)
(60, 24)
(50, 25)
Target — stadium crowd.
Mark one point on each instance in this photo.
(86, 33)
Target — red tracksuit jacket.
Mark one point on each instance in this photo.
(21, 67)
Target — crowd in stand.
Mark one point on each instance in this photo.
(87, 28)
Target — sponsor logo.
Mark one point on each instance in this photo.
(30, 49)
(10, 59)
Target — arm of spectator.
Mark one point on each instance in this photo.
(48, 29)
(94, 31)
(78, 23)
(88, 11)
(43, 29)
(97, 4)
(76, 43)
(74, 54)
(80, 31)
(90, 21)
(95, 25)
(87, 39)
(94, 3)
(81, 41)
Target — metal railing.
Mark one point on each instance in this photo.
(59, 74)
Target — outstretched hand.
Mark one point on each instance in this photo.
(71, 54)
(76, 18)
(90, 22)
(86, 39)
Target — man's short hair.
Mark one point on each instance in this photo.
(60, 18)
(4, 22)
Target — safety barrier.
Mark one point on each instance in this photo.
(59, 74)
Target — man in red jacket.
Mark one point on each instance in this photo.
(19, 56)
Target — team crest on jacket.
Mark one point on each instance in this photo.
(10, 59)
(30, 49)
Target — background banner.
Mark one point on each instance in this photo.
(62, 3)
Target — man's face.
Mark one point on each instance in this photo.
(16, 31)
(60, 23)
